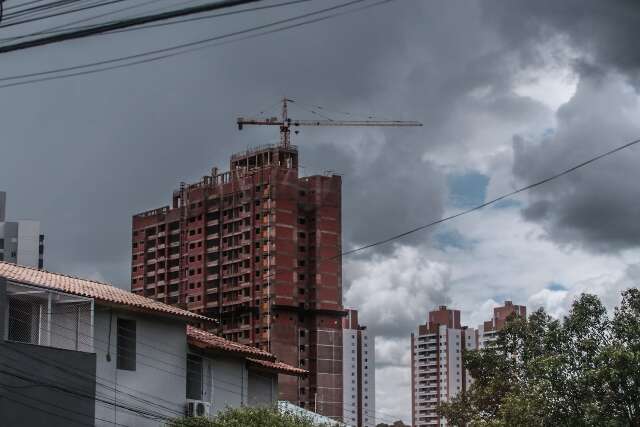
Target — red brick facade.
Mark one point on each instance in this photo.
(257, 248)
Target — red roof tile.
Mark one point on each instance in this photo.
(279, 367)
(210, 341)
(101, 292)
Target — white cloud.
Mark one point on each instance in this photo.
(392, 293)
(509, 259)
(393, 394)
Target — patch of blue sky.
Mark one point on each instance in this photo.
(467, 190)
(556, 287)
(452, 239)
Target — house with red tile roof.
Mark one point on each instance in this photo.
(77, 351)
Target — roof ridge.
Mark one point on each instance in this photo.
(103, 291)
(42, 270)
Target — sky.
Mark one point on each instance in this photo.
(509, 92)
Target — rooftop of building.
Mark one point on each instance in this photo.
(101, 292)
(256, 357)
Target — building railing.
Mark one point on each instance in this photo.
(48, 318)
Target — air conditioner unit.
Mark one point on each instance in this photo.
(197, 408)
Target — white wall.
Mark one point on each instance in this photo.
(368, 364)
(160, 375)
(28, 242)
(350, 375)
(230, 382)
(263, 388)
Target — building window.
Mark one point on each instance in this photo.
(194, 377)
(126, 345)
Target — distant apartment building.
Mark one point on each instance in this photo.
(359, 380)
(488, 331)
(20, 241)
(258, 249)
(437, 360)
(437, 365)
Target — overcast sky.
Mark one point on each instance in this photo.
(508, 91)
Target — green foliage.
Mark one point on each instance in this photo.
(395, 424)
(583, 371)
(248, 417)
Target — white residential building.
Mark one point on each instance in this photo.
(20, 241)
(437, 364)
(488, 331)
(359, 379)
(103, 356)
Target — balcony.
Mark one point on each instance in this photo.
(47, 318)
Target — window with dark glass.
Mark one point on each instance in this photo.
(194, 377)
(126, 345)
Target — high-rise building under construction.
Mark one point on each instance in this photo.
(258, 248)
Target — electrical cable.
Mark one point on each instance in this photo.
(492, 201)
(124, 23)
(62, 389)
(168, 364)
(477, 207)
(27, 3)
(61, 13)
(49, 10)
(79, 21)
(200, 18)
(75, 372)
(25, 376)
(207, 43)
(171, 22)
(153, 347)
(57, 415)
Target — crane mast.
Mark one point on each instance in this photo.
(285, 123)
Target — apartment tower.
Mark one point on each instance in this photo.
(488, 331)
(359, 379)
(257, 248)
(20, 241)
(437, 365)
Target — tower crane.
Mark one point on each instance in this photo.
(286, 123)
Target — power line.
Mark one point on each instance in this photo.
(133, 358)
(23, 4)
(60, 13)
(40, 12)
(468, 211)
(492, 201)
(124, 23)
(199, 18)
(200, 45)
(154, 366)
(79, 21)
(157, 24)
(67, 371)
(57, 415)
(63, 389)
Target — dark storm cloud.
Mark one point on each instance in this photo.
(84, 154)
(596, 207)
(605, 32)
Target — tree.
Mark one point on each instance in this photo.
(398, 423)
(582, 371)
(248, 417)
